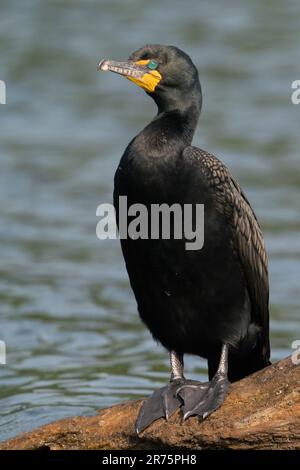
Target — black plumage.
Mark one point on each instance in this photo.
(193, 301)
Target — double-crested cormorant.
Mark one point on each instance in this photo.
(211, 302)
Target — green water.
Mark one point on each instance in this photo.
(74, 340)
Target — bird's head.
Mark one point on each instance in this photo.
(166, 73)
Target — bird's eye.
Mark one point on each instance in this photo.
(152, 65)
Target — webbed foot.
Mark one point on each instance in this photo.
(204, 398)
(162, 404)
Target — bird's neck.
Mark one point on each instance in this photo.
(184, 107)
(178, 123)
(172, 129)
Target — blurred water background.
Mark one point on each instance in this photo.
(68, 317)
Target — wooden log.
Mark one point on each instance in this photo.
(261, 411)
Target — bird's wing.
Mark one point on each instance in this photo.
(246, 235)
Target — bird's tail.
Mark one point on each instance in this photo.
(241, 365)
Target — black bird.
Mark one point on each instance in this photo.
(211, 302)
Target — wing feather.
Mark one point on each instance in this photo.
(246, 235)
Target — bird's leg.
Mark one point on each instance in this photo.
(163, 402)
(176, 363)
(203, 399)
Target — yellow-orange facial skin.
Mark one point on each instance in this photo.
(149, 80)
